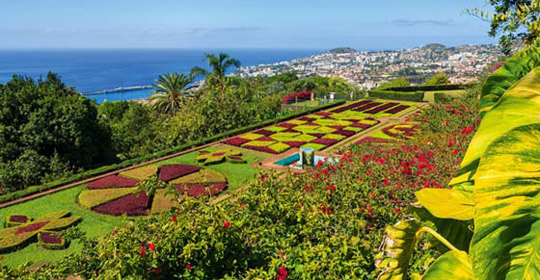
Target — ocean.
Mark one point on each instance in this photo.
(93, 71)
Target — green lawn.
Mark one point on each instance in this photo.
(95, 224)
(430, 95)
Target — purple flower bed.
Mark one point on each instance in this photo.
(236, 141)
(264, 132)
(30, 227)
(111, 182)
(290, 130)
(326, 114)
(295, 144)
(172, 171)
(326, 142)
(131, 205)
(287, 125)
(338, 127)
(50, 238)
(19, 219)
(351, 106)
(266, 139)
(346, 133)
(367, 106)
(381, 108)
(397, 109)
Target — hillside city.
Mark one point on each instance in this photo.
(368, 69)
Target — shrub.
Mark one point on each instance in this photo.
(417, 96)
(51, 240)
(16, 220)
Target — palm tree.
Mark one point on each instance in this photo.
(171, 90)
(219, 65)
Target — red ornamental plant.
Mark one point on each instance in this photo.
(282, 273)
(113, 181)
(296, 96)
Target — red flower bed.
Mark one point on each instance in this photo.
(367, 106)
(290, 130)
(131, 204)
(266, 139)
(346, 133)
(19, 219)
(30, 227)
(381, 108)
(295, 144)
(361, 125)
(296, 96)
(113, 181)
(260, 149)
(287, 125)
(306, 119)
(326, 114)
(311, 124)
(326, 142)
(264, 132)
(236, 141)
(50, 238)
(318, 135)
(172, 171)
(397, 109)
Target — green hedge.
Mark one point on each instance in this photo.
(416, 96)
(109, 168)
(431, 88)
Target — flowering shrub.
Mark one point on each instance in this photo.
(296, 96)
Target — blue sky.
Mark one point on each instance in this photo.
(292, 24)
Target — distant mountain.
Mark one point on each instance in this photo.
(342, 50)
(434, 46)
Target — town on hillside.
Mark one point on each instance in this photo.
(368, 69)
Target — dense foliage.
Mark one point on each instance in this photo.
(46, 130)
(438, 79)
(325, 224)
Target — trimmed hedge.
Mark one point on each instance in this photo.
(110, 168)
(416, 96)
(432, 88)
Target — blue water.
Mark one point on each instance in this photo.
(97, 70)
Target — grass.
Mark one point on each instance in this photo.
(429, 96)
(94, 224)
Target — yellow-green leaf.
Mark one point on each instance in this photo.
(454, 265)
(447, 203)
(506, 242)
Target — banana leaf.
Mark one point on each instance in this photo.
(506, 242)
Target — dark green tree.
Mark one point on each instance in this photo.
(171, 91)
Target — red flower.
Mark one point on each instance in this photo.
(396, 210)
(226, 224)
(455, 152)
(157, 270)
(467, 130)
(365, 158)
(143, 251)
(115, 232)
(282, 274)
(151, 246)
(264, 177)
(174, 219)
(308, 188)
(188, 266)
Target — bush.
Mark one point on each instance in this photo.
(416, 96)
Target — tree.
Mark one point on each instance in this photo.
(171, 90)
(399, 82)
(219, 65)
(516, 21)
(438, 79)
(42, 120)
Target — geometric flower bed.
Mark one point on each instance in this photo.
(209, 158)
(117, 194)
(319, 130)
(21, 230)
(391, 134)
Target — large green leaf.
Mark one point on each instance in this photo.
(447, 203)
(513, 69)
(519, 106)
(399, 245)
(458, 233)
(506, 242)
(454, 265)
